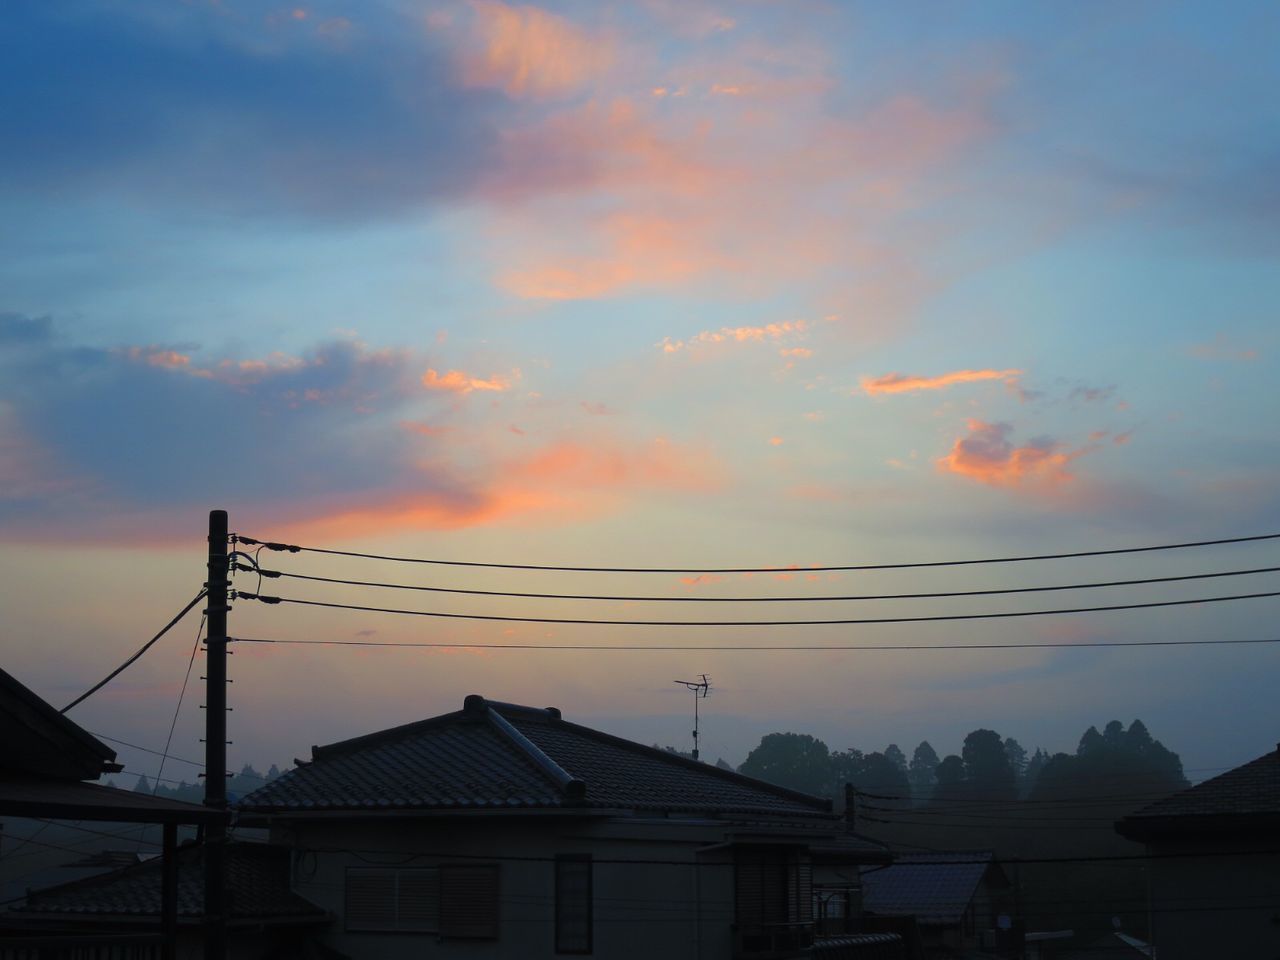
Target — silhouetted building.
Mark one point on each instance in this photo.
(506, 831)
(1215, 868)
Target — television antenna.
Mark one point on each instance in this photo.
(701, 688)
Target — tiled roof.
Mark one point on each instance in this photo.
(935, 888)
(495, 755)
(257, 885)
(1241, 796)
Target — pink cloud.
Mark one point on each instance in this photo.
(756, 334)
(528, 52)
(903, 383)
(986, 455)
(456, 381)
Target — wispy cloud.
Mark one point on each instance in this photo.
(457, 381)
(758, 334)
(904, 383)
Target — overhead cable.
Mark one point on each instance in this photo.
(737, 648)
(294, 548)
(145, 647)
(275, 574)
(1001, 615)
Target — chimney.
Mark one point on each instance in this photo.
(850, 807)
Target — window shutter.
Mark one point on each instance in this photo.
(370, 900)
(573, 904)
(469, 902)
(418, 900)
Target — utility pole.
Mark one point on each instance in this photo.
(215, 745)
(700, 690)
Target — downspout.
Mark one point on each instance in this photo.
(697, 907)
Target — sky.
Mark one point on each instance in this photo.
(663, 283)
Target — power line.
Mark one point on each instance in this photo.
(178, 709)
(242, 595)
(274, 574)
(294, 548)
(145, 647)
(738, 648)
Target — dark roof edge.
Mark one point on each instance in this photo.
(1190, 825)
(570, 786)
(60, 721)
(390, 733)
(821, 804)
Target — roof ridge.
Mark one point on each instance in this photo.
(569, 785)
(339, 747)
(1271, 756)
(708, 768)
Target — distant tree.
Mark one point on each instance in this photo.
(986, 767)
(143, 785)
(794, 760)
(924, 763)
(870, 773)
(950, 778)
(1017, 755)
(895, 756)
(1116, 761)
(273, 772)
(1034, 766)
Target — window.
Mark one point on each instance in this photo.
(385, 898)
(459, 901)
(573, 903)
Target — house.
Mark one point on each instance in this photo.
(1214, 874)
(954, 898)
(266, 919)
(45, 772)
(506, 831)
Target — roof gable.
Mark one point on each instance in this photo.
(1244, 795)
(498, 755)
(41, 741)
(935, 888)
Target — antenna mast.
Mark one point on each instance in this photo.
(701, 688)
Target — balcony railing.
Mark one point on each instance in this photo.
(100, 946)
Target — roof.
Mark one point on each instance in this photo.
(935, 888)
(852, 848)
(46, 797)
(257, 885)
(501, 756)
(41, 741)
(1243, 798)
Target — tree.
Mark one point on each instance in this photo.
(273, 772)
(1017, 755)
(870, 773)
(924, 763)
(794, 760)
(1115, 761)
(950, 778)
(987, 768)
(1034, 766)
(143, 785)
(893, 753)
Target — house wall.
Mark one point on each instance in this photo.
(640, 910)
(1215, 906)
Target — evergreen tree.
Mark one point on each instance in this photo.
(1032, 774)
(893, 753)
(143, 785)
(1017, 755)
(921, 773)
(950, 779)
(986, 767)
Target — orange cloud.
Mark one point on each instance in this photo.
(987, 456)
(528, 52)
(769, 331)
(902, 383)
(564, 482)
(455, 381)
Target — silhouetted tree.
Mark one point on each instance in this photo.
(893, 753)
(1116, 762)
(870, 773)
(1017, 755)
(924, 764)
(950, 778)
(987, 768)
(143, 785)
(1034, 766)
(794, 760)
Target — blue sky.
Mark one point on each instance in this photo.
(653, 283)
